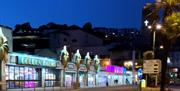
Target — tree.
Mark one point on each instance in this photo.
(74, 27)
(157, 12)
(3, 47)
(87, 26)
(165, 12)
(63, 57)
(96, 65)
(17, 28)
(3, 53)
(26, 26)
(87, 62)
(77, 60)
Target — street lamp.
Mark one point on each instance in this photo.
(154, 28)
(158, 27)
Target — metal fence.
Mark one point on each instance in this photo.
(48, 86)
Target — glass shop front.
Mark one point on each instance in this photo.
(27, 71)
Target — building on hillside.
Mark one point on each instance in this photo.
(77, 39)
(29, 40)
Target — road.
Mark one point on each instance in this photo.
(117, 88)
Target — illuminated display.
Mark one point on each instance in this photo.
(82, 68)
(115, 69)
(71, 67)
(34, 60)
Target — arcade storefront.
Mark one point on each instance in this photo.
(113, 75)
(91, 76)
(82, 75)
(70, 74)
(28, 71)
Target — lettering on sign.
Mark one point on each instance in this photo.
(36, 61)
(82, 68)
(71, 67)
(152, 66)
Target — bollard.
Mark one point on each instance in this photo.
(22, 88)
(59, 85)
(53, 85)
(34, 87)
(6, 87)
(44, 86)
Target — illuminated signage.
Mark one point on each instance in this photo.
(115, 69)
(71, 67)
(12, 59)
(92, 68)
(143, 83)
(82, 68)
(36, 61)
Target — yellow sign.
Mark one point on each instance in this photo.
(143, 83)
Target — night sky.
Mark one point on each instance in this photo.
(101, 13)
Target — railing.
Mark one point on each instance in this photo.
(37, 86)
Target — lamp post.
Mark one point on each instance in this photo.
(157, 27)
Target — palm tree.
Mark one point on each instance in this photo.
(3, 52)
(157, 12)
(167, 13)
(3, 47)
(87, 62)
(64, 55)
(96, 65)
(77, 60)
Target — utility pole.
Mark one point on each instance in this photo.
(133, 66)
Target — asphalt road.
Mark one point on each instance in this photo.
(117, 88)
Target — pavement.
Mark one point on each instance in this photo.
(110, 88)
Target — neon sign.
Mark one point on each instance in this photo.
(115, 69)
(35, 60)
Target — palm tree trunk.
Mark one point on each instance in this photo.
(64, 74)
(167, 44)
(87, 78)
(95, 77)
(77, 79)
(163, 71)
(0, 74)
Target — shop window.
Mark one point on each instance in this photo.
(51, 78)
(11, 73)
(26, 77)
(16, 75)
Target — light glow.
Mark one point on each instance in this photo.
(115, 69)
(158, 26)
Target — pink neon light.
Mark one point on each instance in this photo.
(114, 69)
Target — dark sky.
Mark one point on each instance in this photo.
(101, 13)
